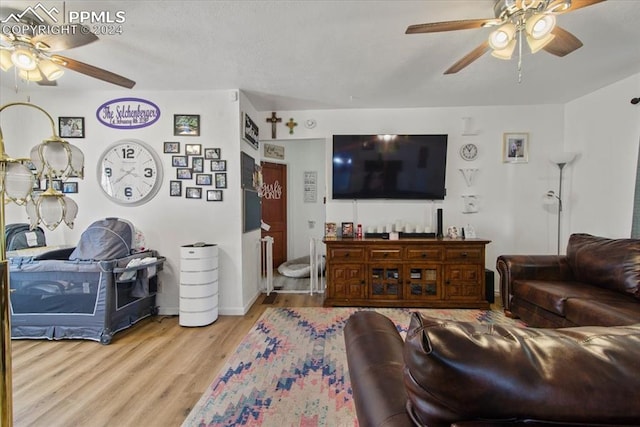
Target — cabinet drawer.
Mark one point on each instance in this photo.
(463, 254)
(385, 254)
(424, 253)
(349, 254)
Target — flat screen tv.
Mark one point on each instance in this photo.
(410, 167)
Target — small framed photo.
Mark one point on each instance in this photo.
(515, 148)
(212, 153)
(204, 179)
(218, 165)
(171, 147)
(194, 193)
(69, 187)
(184, 173)
(179, 161)
(221, 180)
(214, 195)
(193, 149)
(186, 125)
(197, 164)
(347, 229)
(250, 133)
(175, 188)
(71, 127)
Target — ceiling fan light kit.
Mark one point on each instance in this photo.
(533, 20)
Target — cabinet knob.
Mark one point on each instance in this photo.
(424, 255)
(385, 255)
(447, 282)
(362, 282)
(347, 255)
(464, 254)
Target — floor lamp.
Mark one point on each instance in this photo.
(560, 160)
(54, 158)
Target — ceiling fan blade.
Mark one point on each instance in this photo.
(469, 58)
(59, 42)
(92, 71)
(579, 4)
(436, 27)
(563, 43)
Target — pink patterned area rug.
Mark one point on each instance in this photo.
(291, 369)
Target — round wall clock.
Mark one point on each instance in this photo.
(469, 151)
(130, 172)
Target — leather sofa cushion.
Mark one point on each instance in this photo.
(553, 295)
(608, 263)
(625, 311)
(457, 371)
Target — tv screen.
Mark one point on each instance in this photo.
(389, 166)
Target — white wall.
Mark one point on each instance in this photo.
(512, 213)
(604, 127)
(167, 222)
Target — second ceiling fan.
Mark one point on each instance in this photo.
(532, 20)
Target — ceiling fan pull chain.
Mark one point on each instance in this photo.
(520, 56)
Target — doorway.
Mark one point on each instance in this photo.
(274, 208)
(304, 182)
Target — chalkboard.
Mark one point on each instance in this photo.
(247, 164)
(252, 210)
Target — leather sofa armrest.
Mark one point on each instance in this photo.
(530, 267)
(375, 360)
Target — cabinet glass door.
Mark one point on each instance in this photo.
(385, 282)
(423, 282)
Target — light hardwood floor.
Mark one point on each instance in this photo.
(150, 375)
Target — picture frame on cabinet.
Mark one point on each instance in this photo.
(186, 125)
(515, 148)
(171, 147)
(347, 229)
(175, 188)
(214, 195)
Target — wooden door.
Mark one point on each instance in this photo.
(274, 208)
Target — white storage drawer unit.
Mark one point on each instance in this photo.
(198, 284)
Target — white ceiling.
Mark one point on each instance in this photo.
(307, 54)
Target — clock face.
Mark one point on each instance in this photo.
(130, 172)
(469, 151)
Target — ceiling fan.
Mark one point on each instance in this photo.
(533, 20)
(35, 54)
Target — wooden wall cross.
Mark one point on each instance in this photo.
(273, 120)
(291, 124)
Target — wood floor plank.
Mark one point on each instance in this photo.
(150, 375)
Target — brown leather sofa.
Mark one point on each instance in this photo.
(465, 374)
(596, 283)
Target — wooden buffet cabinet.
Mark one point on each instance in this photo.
(409, 272)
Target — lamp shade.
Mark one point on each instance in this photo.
(30, 75)
(539, 26)
(24, 59)
(5, 60)
(537, 44)
(50, 209)
(57, 159)
(50, 70)
(500, 38)
(505, 53)
(17, 182)
(563, 158)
